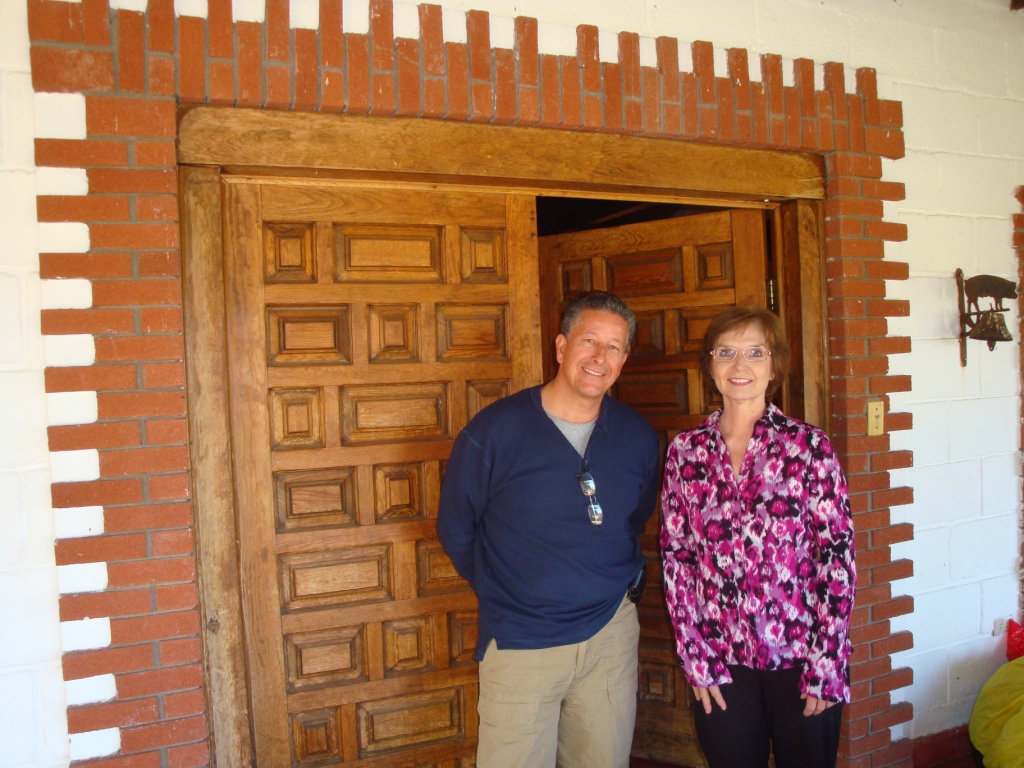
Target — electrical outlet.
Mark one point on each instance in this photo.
(876, 417)
(999, 627)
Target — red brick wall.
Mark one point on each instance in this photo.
(135, 68)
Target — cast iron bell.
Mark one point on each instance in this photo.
(990, 327)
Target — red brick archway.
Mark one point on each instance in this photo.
(135, 68)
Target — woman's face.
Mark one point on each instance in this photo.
(741, 380)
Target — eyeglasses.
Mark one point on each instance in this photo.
(750, 354)
(589, 488)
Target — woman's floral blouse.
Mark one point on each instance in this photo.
(759, 571)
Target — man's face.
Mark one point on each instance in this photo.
(593, 354)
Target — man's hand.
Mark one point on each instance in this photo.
(705, 695)
(815, 706)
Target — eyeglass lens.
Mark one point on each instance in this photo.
(753, 354)
(589, 488)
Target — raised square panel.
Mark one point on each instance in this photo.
(577, 277)
(657, 683)
(483, 256)
(463, 633)
(714, 267)
(388, 254)
(655, 391)
(437, 575)
(649, 340)
(480, 394)
(399, 492)
(471, 332)
(335, 577)
(643, 274)
(304, 336)
(395, 412)
(407, 722)
(694, 329)
(327, 657)
(289, 253)
(393, 334)
(297, 419)
(321, 498)
(408, 646)
(316, 737)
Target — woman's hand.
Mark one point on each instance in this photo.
(815, 706)
(705, 695)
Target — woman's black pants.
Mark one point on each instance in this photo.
(764, 711)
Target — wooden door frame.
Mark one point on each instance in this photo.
(216, 142)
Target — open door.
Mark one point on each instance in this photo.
(676, 275)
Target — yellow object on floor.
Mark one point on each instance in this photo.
(997, 721)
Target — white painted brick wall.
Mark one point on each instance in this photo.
(957, 67)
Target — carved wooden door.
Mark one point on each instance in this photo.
(365, 328)
(676, 275)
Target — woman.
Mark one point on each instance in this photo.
(758, 558)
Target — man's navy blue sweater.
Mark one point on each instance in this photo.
(514, 521)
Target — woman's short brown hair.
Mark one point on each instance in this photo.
(735, 318)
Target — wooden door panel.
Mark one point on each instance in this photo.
(365, 328)
(676, 275)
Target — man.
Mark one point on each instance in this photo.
(544, 496)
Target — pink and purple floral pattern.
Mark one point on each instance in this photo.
(759, 570)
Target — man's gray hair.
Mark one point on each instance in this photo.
(603, 302)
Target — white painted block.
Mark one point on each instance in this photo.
(82, 577)
(75, 466)
(978, 185)
(999, 601)
(28, 633)
(78, 522)
(406, 21)
(89, 690)
(66, 294)
(71, 408)
(95, 743)
(944, 379)
(85, 634)
(968, 61)
(18, 217)
(63, 237)
(197, 8)
(60, 116)
(1000, 484)
(14, 542)
(1015, 81)
(938, 719)
(921, 172)
(971, 664)
(788, 73)
(19, 98)
(943, 493)
(929, 439)
(356, 19)
(730, 25)
(1001, 120)
(946, 616)
(13, 344)
(930, 551)
(988, 546)
(648, 52)
(36, 501)
(931, 683)
(503, 32)
(993, 247)
(21, 411)
(304, 14)
(71, 350)
(998, 369)
(14, 44)
(62, 181)
(52, 712)
(18, 723)
(937, 244)
(931, 313)
(608, 47)
(129, 5)
(556, 39)
(255, 10)
(983, 427)
(927, 124)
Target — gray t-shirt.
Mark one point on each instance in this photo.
(578, 434)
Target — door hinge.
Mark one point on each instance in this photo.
(769, 288)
